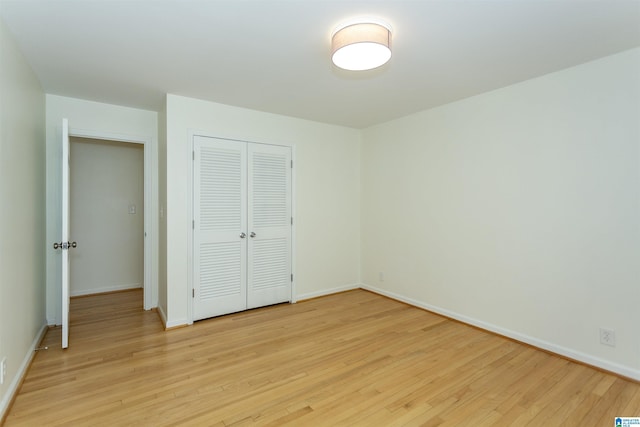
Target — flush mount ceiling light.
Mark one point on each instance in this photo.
(360, 45)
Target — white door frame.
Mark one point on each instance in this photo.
(148, 187)
(190, 266)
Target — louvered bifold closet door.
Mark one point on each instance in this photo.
(220, 215)
(269, 225)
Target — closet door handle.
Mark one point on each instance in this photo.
(252, 234)
(242, 235)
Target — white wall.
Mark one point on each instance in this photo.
(107, 179)
(105, 119)
(517, 210)
(22, 222)
(327, 177)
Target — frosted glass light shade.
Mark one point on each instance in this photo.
(361, 46)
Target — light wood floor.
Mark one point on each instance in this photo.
(351, 359)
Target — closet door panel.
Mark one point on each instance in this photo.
(220, 218)
(269, 225)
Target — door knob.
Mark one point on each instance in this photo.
(252, 234)
(65, 245)
(242, 235)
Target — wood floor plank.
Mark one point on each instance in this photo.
(350, 359)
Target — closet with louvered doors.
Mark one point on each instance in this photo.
(241, 227)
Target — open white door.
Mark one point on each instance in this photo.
(65, 244)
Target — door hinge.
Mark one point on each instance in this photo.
(193, 293)
(291, 164)
(292, 277)
(193, 224)
(291, 220)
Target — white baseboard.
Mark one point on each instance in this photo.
(163, 315)
(324, 292)
(176, 323)
(105, 289)
(625, 371)
(184, 322)
(172, 323)
(22, 371)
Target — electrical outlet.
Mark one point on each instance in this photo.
(3, 369)
(381, 277)
(608, 337)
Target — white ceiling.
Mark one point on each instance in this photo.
(274, 55)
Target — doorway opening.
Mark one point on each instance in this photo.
(149, 289)
(107, 215)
